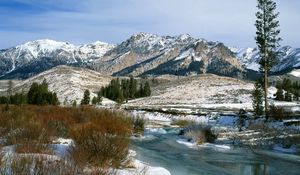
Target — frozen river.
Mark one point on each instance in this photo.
(162, 149)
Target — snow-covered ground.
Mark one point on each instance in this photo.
(139, 167)
(61, 149)
(295, 73)
(200, 91)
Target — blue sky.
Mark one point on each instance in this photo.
(113, 21)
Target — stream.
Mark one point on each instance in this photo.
(161, 149)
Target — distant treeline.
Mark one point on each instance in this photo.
(125, 89)
(288, 90)
(38, 94)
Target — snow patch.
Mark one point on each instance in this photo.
(295, 73)
(156, 130)
(186, 143)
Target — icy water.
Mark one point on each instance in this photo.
(162, 150)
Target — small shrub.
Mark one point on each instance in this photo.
(278, 113)
(38, 164)
(200, 134)
(60, 128)
(138, 125)
(98, 148)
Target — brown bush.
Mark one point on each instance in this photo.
(278, 113)
(103, 141)
(101, 136)
(42, 165)
(200, 134)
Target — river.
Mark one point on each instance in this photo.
(163, 150)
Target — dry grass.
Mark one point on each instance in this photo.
(29, 164)
(100, 142)
(101, 137)
(278, 113)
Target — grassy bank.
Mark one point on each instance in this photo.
(101, 137)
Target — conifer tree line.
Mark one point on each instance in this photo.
(125, 89)
(38, 94)
(287, 90)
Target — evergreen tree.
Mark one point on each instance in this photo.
(18, 98)
(267, 40)
(279, 94)
(287, 84)
(147, 89)
(140, 92)
(32, 93)
(126, 89)
(94, 100)
(74, 104)
(52, 99)
(288, 96)
(3, 100)
(9, 91)
(132, 87)
(99, 98)
(40, 95)
(257, 99)
(86, 98)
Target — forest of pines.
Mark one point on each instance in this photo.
(125, 89)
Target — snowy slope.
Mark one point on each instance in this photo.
(295, 73)
(46, 54)
(289, 58)
(150, 54)
(204, 91)
(68, 82)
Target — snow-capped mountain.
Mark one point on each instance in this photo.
(288, 60)
(141, 54)
(144, 54)
(40, 55)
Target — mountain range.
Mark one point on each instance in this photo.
(142, 54)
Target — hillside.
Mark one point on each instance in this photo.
(68, 82)
(202, 91)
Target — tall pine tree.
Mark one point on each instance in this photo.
(267, 40)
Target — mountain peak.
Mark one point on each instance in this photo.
(144, 34)
(184, 36)
(100, 43)
(48, 42)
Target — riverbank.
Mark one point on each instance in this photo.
(162, 146)
(255, 132)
